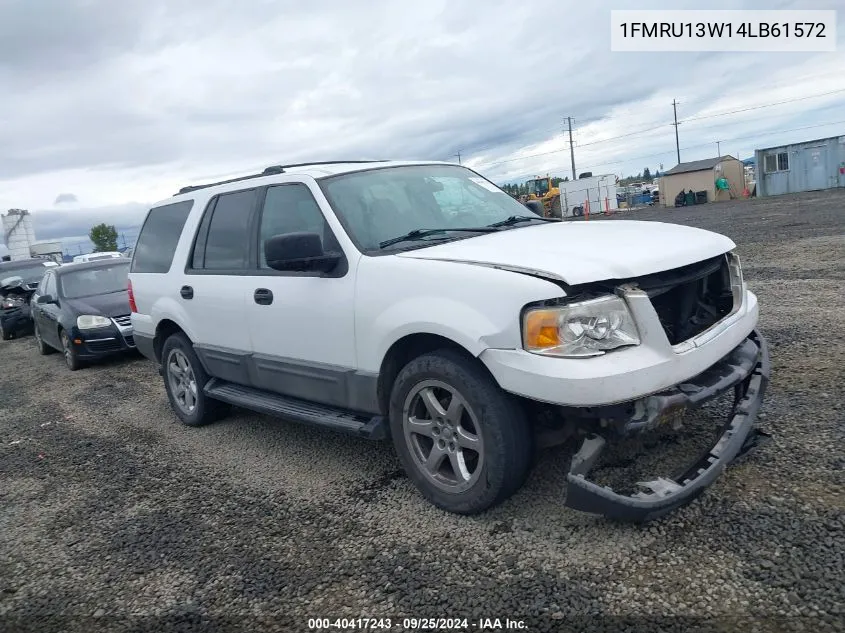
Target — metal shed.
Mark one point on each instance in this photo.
(806, 166)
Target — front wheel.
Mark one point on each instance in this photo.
(464, 442)
(71, 358)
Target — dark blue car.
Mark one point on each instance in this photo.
(82, 310)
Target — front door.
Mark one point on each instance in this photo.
(301, 323)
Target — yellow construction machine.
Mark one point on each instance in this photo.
(540, 190)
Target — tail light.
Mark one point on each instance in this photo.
(132, 306)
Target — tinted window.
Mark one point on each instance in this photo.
(290, 209)
(91, 282)
(159, 236)
(227, 242)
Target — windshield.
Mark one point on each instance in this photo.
(380, 204)
(95, 281)
(30, 275)
(538, 187)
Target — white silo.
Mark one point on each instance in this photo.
(19, 234)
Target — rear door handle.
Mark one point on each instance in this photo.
(187, 292)
(263, 296)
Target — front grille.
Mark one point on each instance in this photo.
(110, 345)
(124, 320)
(691, 299)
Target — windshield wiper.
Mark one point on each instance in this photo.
(516, 219)
(417, 234)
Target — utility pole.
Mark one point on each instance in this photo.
(123, 237)
(718, 149)
(677, 143)
(571, 147)
(459, 157)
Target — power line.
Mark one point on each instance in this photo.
(688, 120)
(765, 105)
(736, 138)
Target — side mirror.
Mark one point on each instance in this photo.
(45, 299)
(298, 252)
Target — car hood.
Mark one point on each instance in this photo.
(109, 305)
(583, 252)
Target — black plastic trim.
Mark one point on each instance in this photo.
(146, 346)
(366, 426)
(328, 385)
(738, 436)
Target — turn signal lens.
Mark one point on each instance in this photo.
(541, 329)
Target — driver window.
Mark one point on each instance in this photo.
(292, 209)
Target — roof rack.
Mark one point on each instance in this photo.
(273, 170)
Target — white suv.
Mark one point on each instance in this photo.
(418, 301)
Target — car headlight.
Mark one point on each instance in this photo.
(577, 330)
(90, 321)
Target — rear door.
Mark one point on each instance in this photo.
(214, 285)
(46, 315)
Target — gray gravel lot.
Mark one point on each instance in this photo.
(115, 517)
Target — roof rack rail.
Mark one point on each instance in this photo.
(273, 170)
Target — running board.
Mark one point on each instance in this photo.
(260, 401)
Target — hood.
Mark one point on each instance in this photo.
(110, 305)
(583, 252)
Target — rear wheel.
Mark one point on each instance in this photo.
(4, 333)
(464, 442)
(40, 345)
(555, 207)
(184, 380)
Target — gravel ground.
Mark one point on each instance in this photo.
(115, 517)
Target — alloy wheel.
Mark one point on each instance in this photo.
(443, 435)
(183, 383)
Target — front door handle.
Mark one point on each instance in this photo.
(187, 292)
(263, 296)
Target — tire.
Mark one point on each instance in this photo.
(535, 206)
(4, 333)
(555, 208)
(40, 345)
(578, 211)
(185, 390)
(71, 359)
(491, 472)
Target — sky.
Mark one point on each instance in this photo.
(110, 106)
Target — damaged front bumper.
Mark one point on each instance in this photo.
(746, 370)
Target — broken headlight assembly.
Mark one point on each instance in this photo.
(579, 330)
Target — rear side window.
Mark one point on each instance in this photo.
(223, 239)
(159, 236)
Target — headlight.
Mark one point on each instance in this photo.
(587, 328)
(90, 321)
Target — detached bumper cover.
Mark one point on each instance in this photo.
(747, 368)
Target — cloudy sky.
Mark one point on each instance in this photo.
(108, 106)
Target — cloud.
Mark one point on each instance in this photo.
(64, 198)
(129, 101)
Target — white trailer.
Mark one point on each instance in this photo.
(593, 194)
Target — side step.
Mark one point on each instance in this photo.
(362, 425)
